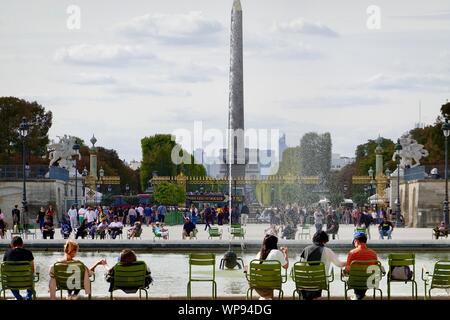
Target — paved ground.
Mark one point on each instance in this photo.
(257, 231)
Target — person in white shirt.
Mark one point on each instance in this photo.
(81, 213)
(318, 219)
(318, 252)
(73, 217)
(115, 228)
(90, 217)
(269, 251)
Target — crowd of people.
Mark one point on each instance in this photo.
(290, 218)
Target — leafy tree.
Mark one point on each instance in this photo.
(315, 154)
(291, 162)
(109, 160)
(365, 156)
(157, 157)
(169, 193)
(12, 110)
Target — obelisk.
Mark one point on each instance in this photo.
(236, 99)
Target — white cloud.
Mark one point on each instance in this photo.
(195, 72)
(300, 26)
(100, 54)
(334, 100)
(189, 28)
(133, 89)
(280, 49)
(430, 81)
(439, 15)
(93, 79)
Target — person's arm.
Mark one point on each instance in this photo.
(99, 262)
(331, 256)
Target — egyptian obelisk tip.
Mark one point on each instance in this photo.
(237, 5)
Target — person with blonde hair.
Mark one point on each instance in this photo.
(71, 248)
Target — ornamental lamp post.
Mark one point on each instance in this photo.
(76, 148)
(84, 174)
(398, 149)
(23, 131)
(372, 187)
(446, 131)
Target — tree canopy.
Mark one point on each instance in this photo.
(12, 110)
(157, 157)
(169, 193)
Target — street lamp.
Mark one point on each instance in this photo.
(446, 131)
(23, 130)
(84, 174)
(398, 148)
(345, 190)
(76, 148)
(109, 188)
(372, 187)
(101, 172)
(127, 187)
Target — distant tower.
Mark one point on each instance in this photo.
(236, 101)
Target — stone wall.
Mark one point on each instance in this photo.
(40, 192)
(422, 202)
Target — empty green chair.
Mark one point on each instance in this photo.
(237, 231)
(130, 278)
(439, 279)
(202, 260)
(70, 276)
(17, 275)
(311, 276)
(402, 268)
(361, 229)
(363, 275)
(30, 230)
(214, 232)
(265, 274)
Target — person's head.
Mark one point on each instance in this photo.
(186, 220)
(127, 257)
(320, 238)
(359, 238)
(16, 206)
(17, 242)
(115, 219)
(270, 242)
(70, 249)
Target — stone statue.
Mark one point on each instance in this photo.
(61, 153)
(411, 152)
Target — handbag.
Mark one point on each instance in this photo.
(401, 273)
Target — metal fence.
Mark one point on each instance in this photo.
(16, 172)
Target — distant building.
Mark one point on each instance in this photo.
(338, 162)
(134, 165)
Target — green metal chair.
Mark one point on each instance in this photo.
(305, 231)
(130, 278)
(137, 235)
(237, 231)
(265, 274)
(439, 279)
(402, 260)
(363, 275)
(361, 229)
(311, 276)
(70, 276)
(214, 232)
(202, 260)
(17, 230)
(30, 230)
(17, 275)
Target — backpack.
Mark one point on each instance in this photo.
(402, 273)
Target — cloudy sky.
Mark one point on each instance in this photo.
(137, 68)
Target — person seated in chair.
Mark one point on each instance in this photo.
(82, 230)
(127, 258)
(189, 229)
(48, 230)
(332, 224)
(160, 230)
(441, 230)
(135, 231)
(102, 228)
(385, 228)
(115, 228)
